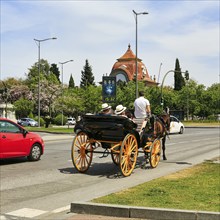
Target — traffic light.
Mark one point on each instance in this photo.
(187, 75)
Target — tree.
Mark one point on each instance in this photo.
(72, 102)
(33, 74)
(92, 98)
(87, 77)
(54, 69)
(213, 99)
(49, 93)
(178, 78)
(20, 91)
(49, 85)
(23, 107)
(71, 82)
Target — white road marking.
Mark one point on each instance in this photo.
(171, 144)
(65, 208)
(31, 213)
(26, 212)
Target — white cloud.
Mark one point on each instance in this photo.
(100, 31)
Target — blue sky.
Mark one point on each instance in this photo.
(100, 31)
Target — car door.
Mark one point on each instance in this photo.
(12, 141)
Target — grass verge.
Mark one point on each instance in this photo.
(196, 188)
(60, 129)
(203, 124)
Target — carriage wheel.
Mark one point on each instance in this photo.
(82, 152)
(115, 157)
(128, 154)
(155, 153)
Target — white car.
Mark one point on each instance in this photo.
(176, 126)
(71, 121)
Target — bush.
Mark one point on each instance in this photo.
(42, 122)
(58, 120)
(212, 118)
(31, 116)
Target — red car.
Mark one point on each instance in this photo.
(15, 141)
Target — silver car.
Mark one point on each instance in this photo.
(27, 122)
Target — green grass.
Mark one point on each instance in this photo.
(196, 188)
(52, 129)
(201, 123)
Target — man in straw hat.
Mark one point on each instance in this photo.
(106, 109)
(120, 110)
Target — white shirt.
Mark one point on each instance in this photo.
(140, 105)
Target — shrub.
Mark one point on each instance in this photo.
(58, 120)
(212, 118)
(42, 122)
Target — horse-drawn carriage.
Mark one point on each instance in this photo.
(118, 136)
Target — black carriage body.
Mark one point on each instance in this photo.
(109, 128)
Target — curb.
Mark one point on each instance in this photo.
(141, 212)
(49, 138)
(202, 127)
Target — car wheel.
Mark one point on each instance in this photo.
(181, 130)
(35, 153)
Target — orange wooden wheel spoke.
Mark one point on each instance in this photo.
(133, 148)
(128, 154)
(82, 152)
(155, 153)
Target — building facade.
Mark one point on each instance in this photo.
(125, 69)
(7, 111)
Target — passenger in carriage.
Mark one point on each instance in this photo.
(120, 110)
(106, 109)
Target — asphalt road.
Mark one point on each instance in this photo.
(45, 189)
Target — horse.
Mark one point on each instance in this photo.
(157, 127)
(162, 129)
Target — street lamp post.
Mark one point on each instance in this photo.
(170, 71)
(39, 41)
(159, 73)
(62, 63)
(136, 59)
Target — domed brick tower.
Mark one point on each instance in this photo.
(125, 68)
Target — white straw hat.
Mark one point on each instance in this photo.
(119, 109)
(105, 106)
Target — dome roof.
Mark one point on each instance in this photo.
(129, 55)
(126, 65)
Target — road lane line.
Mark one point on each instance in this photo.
(171, 144)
